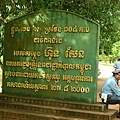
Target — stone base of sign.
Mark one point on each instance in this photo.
(24, 108)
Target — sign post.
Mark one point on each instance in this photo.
(53, 56)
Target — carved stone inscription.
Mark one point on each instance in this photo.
(51, 56)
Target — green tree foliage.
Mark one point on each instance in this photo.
(103, 12)
(116, 50)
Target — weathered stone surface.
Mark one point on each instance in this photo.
(24, 108)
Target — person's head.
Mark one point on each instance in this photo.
(116, 74)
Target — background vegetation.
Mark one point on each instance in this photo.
(104, 12)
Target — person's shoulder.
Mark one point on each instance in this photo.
(111, 79)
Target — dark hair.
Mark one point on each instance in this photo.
(118, 59)
(115, 74)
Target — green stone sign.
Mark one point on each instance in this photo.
(51, 56)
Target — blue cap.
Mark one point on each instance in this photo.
(116, 71)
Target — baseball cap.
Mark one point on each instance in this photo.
(116, 71)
